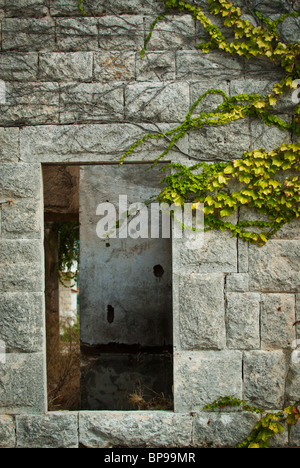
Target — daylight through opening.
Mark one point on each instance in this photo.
(108, 290)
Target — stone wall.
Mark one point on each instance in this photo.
(78, 92)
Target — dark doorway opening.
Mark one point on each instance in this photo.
(116, 351)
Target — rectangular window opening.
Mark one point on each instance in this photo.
(108, 273)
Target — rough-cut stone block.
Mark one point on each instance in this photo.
(16, 277)
(295, 436)
(22, 220)
(201, 311)
(264, 378)
(21, 322)
(19, 67)
(66, 66)
(114, 66)
(91, 102)
(221, 142)
(218, 254)
(21, 251)
(290, 30)
(275, 267)
(222, 430)
(110, 7)
(70, 8)
(269, 138)
(77, 34)
(28, 34)
(20, 181)
(277, 318)
(242, 318)
(270, 6)
(173, 32)
(202, 376)
(159, 102)
(298, 315)
(193, 65)
(9, 144)
(262, 87)
(7, 432)
(53, 430)
(293, 376)
(26, 8)
(30, 103)
(237, 282)
(134, 429)
(22, 387)
(262, 68)
(137, 7)
(156, 66)
(243, 251)
(210, 102)
(121, 32)
(106, 142)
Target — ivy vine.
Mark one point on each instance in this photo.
(268, 180)
(267, 427)
(68, 253)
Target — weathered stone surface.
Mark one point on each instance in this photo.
(21, 251)
(270, 6)
(20, 181)
(26, 8)
(30, 103)
(277, 319)
(172, 33)
(203, 376)
(66, 66)
(15, 277)
(263, 88)
(53, 430)
(269, 138)
(210, 102)
(21, 322)
(218, 254)
(221, 142)
(69, 8)
(134, 429)
(275, 267)
(262, 68)
(156, 66)
(91, 102)
(293, 376)
(106, 142)
(7, 432)
(159, 102)
(23, 219)
(295, 436)
(9, 144)
(237, 282)
(264, 378)
(193, 65)
(201, 311)
(243, 254)
(114, 66)
(111, 7)
(121, 32)
(290, 30)
(77, 34)
(22, 384)
(222, 430)
(242, 319)
(19, 67)
(28, 34)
